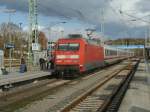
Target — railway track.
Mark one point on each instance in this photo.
(27, 93)
(98, 99)
(113, 102)
(16, 100)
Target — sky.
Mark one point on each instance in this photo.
(119, 16)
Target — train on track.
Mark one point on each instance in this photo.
(75, 55)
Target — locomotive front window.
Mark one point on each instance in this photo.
(68, 47)
(62, 47)
(73, 46)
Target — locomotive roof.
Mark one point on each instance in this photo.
(75, 36)
(80, 37)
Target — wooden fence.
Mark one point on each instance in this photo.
(14, 62)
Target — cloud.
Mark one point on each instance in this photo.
(19, 5)
(143, 5)
(85, 10)
(88, 11)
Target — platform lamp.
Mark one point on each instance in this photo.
(146, 45)
(50, 43)
(9, 11)
(20, 27)
(50, 30)
(52, 25)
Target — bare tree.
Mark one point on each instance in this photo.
(17, 36)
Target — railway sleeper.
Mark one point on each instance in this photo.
(88, 104)
(113, 103)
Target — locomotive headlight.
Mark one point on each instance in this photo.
(58, 61)
(60, 56)
(67, 56)
(74, 56)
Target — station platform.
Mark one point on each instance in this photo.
(137, 98)
(16, 77)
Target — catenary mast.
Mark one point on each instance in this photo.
(33, 26)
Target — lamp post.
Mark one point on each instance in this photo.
(62, 33)
(50, 28)
(10, 39)
(146, 43)
(20, 27)
(138, 19)
(50, 43)
(20, 24)
(9, 11)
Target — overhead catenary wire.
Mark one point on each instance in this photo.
(116, 12)
(122, 15)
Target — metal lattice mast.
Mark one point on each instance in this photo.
(33, 27)
(30, 24)
(33, 13)
(36, 21)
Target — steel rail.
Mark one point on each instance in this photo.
(112, 104)
(82, 97)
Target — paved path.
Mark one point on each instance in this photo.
(137, 98)
(15, 77)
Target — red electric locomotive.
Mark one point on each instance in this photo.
(76, 55)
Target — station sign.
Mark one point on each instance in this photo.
(9, 45)
(35, 47)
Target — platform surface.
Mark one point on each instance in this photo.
(15, 77)
(137, 98)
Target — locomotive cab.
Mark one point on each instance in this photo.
(68, 54)
(76, 55)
